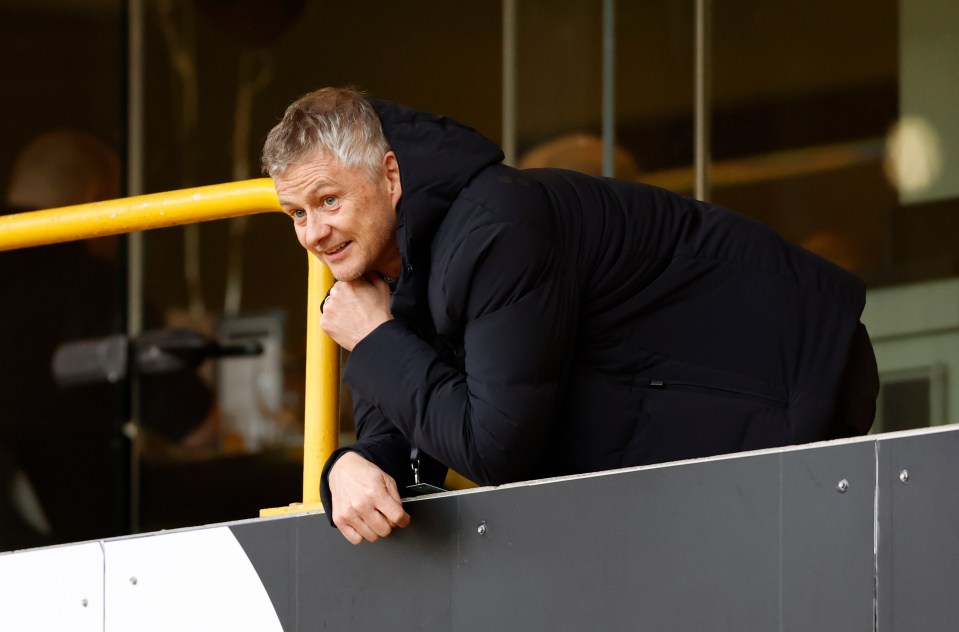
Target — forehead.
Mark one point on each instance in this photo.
(318, 164)
(315, 172)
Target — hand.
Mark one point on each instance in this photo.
(366, 502)
(355, 308)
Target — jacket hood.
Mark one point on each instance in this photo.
(437, 157)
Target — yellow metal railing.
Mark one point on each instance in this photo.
(220, 201)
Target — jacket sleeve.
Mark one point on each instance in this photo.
(511, 300)
(380, 442)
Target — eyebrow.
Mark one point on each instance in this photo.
(319, 184)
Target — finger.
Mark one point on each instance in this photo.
(373, 278)
(379, 524)
(350, 534)
(392, 489)
(325, 324)
(363, 529)
(379, 283)
(400, 520)
(395, 515)
(351, 285)
(329, 293)
(352, 518)
(392, 508)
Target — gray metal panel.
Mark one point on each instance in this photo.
(919, 533)
(827, 545)
(270, 546)
(319, 581)
(752, 542)
(398, 584)
(677, 548)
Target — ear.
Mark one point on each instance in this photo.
(391, 168)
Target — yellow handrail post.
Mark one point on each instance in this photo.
(322, 399)
(321, 420)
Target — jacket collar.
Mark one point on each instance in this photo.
(437, 158)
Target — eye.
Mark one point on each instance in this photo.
(329, 200)
(297, 214)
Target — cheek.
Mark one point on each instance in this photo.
(383, 222)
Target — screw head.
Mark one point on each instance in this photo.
(904, 476)
(133, 580)
(843, 486)
(84, 603)
(481, 528)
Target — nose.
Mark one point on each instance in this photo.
(316, 230)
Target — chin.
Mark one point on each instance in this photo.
(346, 273)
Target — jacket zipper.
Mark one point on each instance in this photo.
(656, 383)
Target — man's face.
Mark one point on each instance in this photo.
(342, 216)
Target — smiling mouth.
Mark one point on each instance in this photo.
(338, 249)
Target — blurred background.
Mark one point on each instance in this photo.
(834, 123)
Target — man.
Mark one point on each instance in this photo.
(520, 324)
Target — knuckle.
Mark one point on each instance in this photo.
(395, 515)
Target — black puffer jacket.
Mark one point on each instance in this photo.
(548, 323)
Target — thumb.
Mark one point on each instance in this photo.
(396, 515)
(376, 280)
(394, 511)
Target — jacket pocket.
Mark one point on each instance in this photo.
(718, 390)
(688, 419)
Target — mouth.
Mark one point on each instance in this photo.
(332, 252)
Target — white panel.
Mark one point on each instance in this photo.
(53, 589)
(190, 580)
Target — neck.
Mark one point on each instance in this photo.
(392, 267)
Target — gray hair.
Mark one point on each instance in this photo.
(339, 121)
